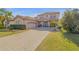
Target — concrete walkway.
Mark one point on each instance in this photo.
(25, 41)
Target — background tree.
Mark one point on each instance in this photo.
(8, 17)
(2, 17)
(71, 20)
(53, 23)
(5, 16)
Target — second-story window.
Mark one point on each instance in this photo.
(52, 17)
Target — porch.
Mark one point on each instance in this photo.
(43, 24)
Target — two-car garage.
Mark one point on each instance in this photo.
(31, 25)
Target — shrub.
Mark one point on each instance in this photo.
(53, 24)
(19, 27)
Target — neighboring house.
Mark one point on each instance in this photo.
(42, 20)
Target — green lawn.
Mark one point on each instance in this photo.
(58, 41)
(6, 33)
(2, 34)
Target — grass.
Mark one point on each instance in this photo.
(58, 41)
(6, 33)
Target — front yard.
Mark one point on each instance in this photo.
(6, 33)
(58, 41)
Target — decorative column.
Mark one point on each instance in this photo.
(48, 23)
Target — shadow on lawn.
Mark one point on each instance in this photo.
(72, 37)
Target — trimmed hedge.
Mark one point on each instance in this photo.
(19, 27)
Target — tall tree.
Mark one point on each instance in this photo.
(71, 20)
(5, 16)
(2, 18)
(8, 17)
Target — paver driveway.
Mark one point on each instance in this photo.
(27, 40)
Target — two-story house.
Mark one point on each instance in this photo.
(45, 18)
(42, 20)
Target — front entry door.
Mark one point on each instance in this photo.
(45, 24)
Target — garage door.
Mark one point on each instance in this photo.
(31, 25)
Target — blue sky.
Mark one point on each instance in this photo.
(34, 11)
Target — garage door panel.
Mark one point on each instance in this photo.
(31, 25)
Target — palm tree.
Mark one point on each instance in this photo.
(8, 17)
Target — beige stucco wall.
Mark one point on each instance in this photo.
(27, 22)
(30, 24)
(19, 21)
(11, 22)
